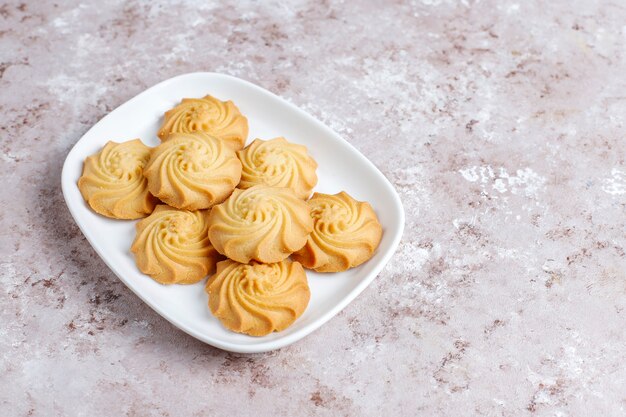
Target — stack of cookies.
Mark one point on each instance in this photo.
(241, 216)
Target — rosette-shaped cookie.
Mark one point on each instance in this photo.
(221, 119)
(262, 223)
(346, 233)
(172, 246)
(258, 299)
(192, 171)
(278, 163)
(113, 183)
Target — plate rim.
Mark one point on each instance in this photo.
(263, 346)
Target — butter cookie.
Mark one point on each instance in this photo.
(262, 223)
(346, 233)
(258, 299)
(221, 119)
(278, 163)
(172, 246)
(192, 171)
(113, 184)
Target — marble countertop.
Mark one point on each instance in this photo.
(501, 125)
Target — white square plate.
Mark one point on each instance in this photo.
(341, 168)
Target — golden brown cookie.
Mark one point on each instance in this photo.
(346, 233)
(278, 163)
(262, 223)
(221, 119)
(258, 299)
(172, 246)
(192, 171)
(113, 184)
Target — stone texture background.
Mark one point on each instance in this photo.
(501, 124)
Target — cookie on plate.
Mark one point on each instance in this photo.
(262, 223)
(113, 184)
(172, 246)
(218, 118)
(278, 163)
(192, 171)
(346, 233)
(258, 299)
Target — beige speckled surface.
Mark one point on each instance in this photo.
(501, 125)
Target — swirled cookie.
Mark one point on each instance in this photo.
(346, 233)
(262, 223)
(221, 119)
(172, 246)
(258, 299)
(192, 171)
(113, 184)
(278, 163)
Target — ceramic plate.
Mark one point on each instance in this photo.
(341, 167)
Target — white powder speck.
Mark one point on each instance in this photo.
(499, 186)
(68, 88)
(616, 183)
(198, 21)
(469, 174)
(513, 8)
(524, 181)
(59, 23)
(409, 258)
(412, 183)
